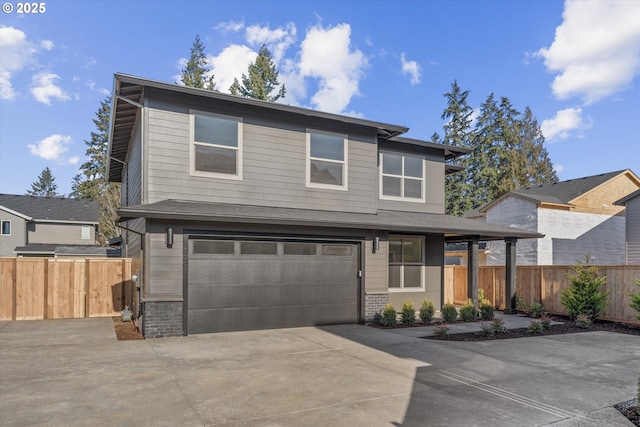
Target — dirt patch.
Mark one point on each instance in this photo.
(125, 330)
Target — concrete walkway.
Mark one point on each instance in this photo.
(75, 373)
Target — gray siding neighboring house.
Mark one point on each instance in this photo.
(41, 226)
(578, 218)
(245, 214)
(632, 227)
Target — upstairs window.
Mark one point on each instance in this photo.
(402, 177)
(326, 160)
(216, 149)
(6, 228)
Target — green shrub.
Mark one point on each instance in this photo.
(546, 321)
(521, 306)
(498, 326)
(427, 311)
(441, 330)
(408, 314)
(486, 330)
(388, 316)
(481, 298)
(449, 312)
(583, 321)
(536, 310)
(635, 298)
(486, 311)
(535, 327)
(584, 296)
(468, 312)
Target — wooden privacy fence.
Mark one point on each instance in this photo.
(55, 288)
(544, 284)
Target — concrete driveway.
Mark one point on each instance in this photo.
(74, 372)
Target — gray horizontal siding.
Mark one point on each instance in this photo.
(632, 213)
(64, 234)
(434, 192)
(17, 237)
(274, 167)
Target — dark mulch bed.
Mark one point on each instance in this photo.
(631, 410)
(567, 327)
(125, 330)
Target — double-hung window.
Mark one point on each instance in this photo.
(401, 177)
(216, 148)
(6, 228)
(406, 260)
(326, 160)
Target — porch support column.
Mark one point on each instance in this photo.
(472, 270)
(510, 276)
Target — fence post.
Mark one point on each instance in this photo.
(86, 286)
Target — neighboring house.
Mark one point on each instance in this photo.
(246, 214)
(48, 226)
(578, 218)
(632, 226)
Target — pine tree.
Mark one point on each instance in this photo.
(92, 182)
(45, 185)
(458, 133)
(261, 81)
(531, 158)
(197, 73)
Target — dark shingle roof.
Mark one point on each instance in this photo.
(394, 221)
(564, 192)
(52, 208)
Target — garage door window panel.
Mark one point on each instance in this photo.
(300, 248)
(258, 248)
(213, 247)
(216, 146)
(406, 261)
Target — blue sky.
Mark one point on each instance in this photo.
(575, 64)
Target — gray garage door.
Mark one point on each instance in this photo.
(236, 285)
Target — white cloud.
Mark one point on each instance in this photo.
(73, 160)
(596, 50)
(44, 88)
(92, 85)
(47, 44)
(412, 68)
(16, 52)
(230, 26)
(90, 64)
(231, 62)
(51, 147)
(326, 55)
(558, 167)
(277, 41)
(563, 124)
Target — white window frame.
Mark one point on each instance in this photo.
(344, 163)
(2, 227)
(402, 288)
(86, 231)
(402, 178)
(193, 143)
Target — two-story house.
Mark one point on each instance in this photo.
(632, 227)
(248, 214)
(49, 226)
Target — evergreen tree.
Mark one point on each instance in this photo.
(197, 73)
(261, 81)
(531, 158)
(45, 185)
(458, 133)
(92, 182)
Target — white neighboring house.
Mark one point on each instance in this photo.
(578, 217)
(632, 227)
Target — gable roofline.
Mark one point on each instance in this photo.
(18, 214)
(51, 209)
(450, 152)
(624, 200)
(128, 95)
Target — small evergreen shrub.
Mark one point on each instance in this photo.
(486, 311)
(536, 310)
(441, 330)
(486, 330)
(388, 316)
(635, 298)
(498, 326)
(481, 298)
(583, 321)
(468, 312)
(449, 312)
(584, 296)
(408, 314)
(535, 327)
(546, 321)
(427, 311)
(521, 306)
